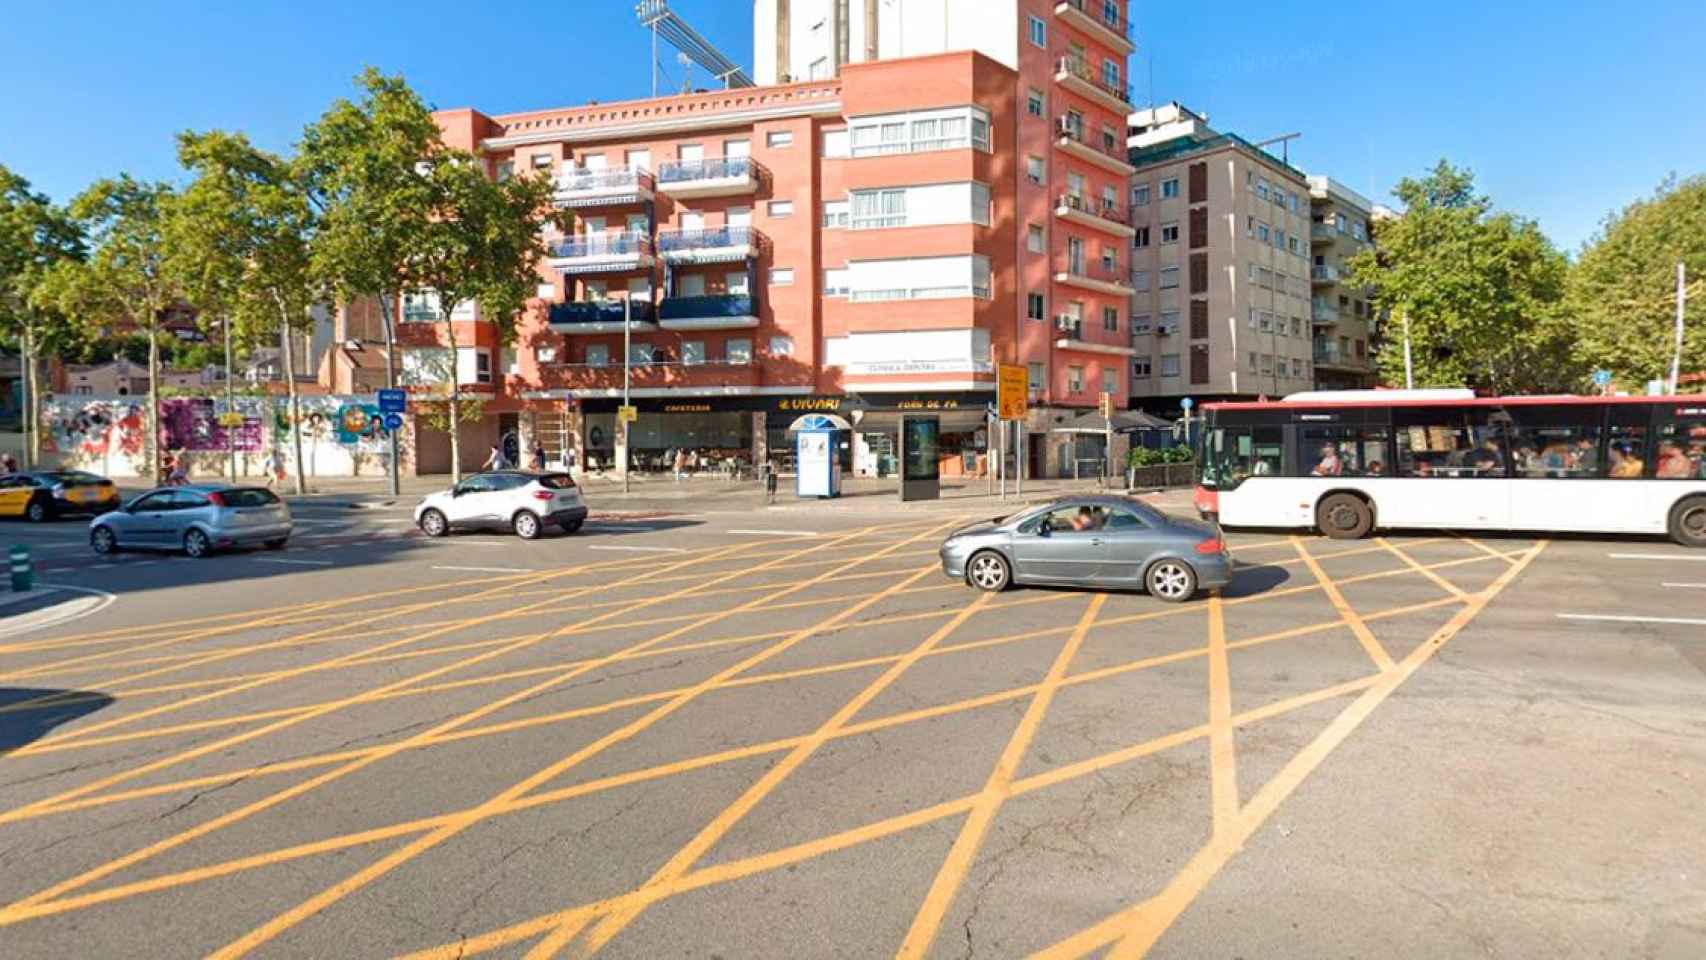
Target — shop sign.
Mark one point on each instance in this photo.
(687, 408)
(809, 403)
(1012, 388)
(884, 368)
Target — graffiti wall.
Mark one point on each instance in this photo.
(341, 435)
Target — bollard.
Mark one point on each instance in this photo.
(23, 573)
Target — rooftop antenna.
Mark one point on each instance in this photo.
(656, 16)
(1284, 140)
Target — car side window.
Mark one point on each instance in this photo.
(185, 500)
(155, 501)
(480, 484)
(1124, 520)
(509, 481)
(1078, 518)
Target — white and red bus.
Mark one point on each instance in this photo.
(1347, 462)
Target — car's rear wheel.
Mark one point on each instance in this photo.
(196, 544)
(525, 524)
(1688, 522)
(573, 526)
(1171, 580)
(434, 524)
(38, 511)
(276, 544)
(989, 571)
(102, 541)
(1344, 516)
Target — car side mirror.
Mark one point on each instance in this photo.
(456, 491)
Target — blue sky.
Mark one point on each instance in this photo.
(1565, 110)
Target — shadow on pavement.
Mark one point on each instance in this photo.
(1248, 581)
(28, 713)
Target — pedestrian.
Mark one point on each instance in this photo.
(539, 457)
(8, 464)
(178, 472)
(494, 459)
(274, 468)
(680, 464)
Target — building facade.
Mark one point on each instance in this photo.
(1341, 226)
(866, 243)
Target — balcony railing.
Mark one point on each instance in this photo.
(1324, 273)
(1324, 313)
(580, 187)
(601, 313)
(603, 246)
(1098, 11)
(1100, 209)
(1069, 327)
(1331, 354)
(1077, 69)
(710, 245)
(725, 168)
(708, 312)
(1094, 274)
(1322, 233)
(1076, 139)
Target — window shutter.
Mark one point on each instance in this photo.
(1199, 183)
(1199, 273)
(1199, 319)
(1199, 228)
(1199, 364)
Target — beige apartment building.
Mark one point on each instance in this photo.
(1220, 265)
(1341, 226)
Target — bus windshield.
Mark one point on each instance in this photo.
(1226, 456)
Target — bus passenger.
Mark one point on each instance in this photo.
(1624, 466)
(1329, 465)
(1672, 464)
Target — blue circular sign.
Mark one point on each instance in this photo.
(1187, 403)
(393, 421)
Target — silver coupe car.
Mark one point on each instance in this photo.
(1096, 541)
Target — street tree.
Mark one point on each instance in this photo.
(35, 235)
(242, 233)
(1478, 293)
(124, 282)
(1622, 288)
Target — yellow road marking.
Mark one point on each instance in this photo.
(1223, 766)
(337, 891)
(1410, 562)
(1364, 636)
(959, 860)
(1489, 551)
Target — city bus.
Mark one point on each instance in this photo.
(1349, 462)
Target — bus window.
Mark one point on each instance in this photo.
(1233, 454)
(1681, 450)
(1344, 451)
(1558, 443)
(1453, 442)
(1626, 453)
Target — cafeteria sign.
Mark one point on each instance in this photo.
(1012, 383)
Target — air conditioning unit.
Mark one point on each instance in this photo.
(1164, 329)
(1067, 323)
(1063, 126)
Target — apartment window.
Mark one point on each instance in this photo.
(926, 130)
(1356, 229)
(1034, 103)
(1034, 238)
(1262, 187)
(1296, 367)
(1110, 260)
(1296, 326)
(1141, 237)
(835, 144)
(1036, 372)
(781, 276)
(879, 208)
(1267, 363)
(1279, 238)
(505, 170)
(1255, 361)
(1362, 349)
(1140, 368)
(541, 161)
(777, 139)
(980, 204)
(1034, 169)
(1199, 319)
(781, 208)
(1110, 140)
(1035, 309)
(835, 213)
(1266, 324)
(1111, 13)
(1170, 188)
(1169, 364)
(1110, 382)
(1111, 319)
(1199, 363)
(1255, 315)
(1039, 32)
(1140, 195)
(1293, 244)
(1074, 379)
(597, 355)
(1170, 232)
(692, 353)
(781, 346)
(1140, 325)
(1111, 74)
(1169, 321)
(1169, 277)
(1262, 233)
(835, 282)
(1140, 280)
(738, 350)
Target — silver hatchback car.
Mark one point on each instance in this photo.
(195, 519)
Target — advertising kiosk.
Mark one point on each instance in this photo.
(817, 465)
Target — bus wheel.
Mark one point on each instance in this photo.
(1344, 516)
(1688, 522)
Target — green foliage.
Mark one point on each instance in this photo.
(35, 236)
(436, 413)
(1150, 457)
(1622, 289)
(1481, 292)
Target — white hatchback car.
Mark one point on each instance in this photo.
(523, 502)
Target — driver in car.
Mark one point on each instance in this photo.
(1084, 520)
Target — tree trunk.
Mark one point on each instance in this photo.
(32, 413)
(151, 442)
(455, 427)
(295, 411)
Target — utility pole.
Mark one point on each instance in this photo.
(1409, 372)
(1681, 305)
(627, 342)
(231, 420)
(32, 414)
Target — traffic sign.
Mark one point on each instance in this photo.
(393, 421)
(1187, 403)
(1011, 387)
(1106, 405)
(393, 401)
(627, 414)
(1601, 378)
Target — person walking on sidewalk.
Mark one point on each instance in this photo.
(680, 464)
(495, 459)
(274, 468)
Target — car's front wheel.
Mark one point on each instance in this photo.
(102, 541)
(1688, 522)
(38, 511)
(989, 571)
(1171, 580)
(526, 525)
(434, 524)
(196, 544)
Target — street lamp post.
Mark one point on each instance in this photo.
(627, 342)
(230, 404)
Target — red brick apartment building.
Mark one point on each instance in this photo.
(946, 192)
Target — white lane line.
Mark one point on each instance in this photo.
(777, 533)
(489, 569)
(1654, 556)
(94, 602)
(1694, 586)
(299, 563)
(643, 549)
(1685, 621)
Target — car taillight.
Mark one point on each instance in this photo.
(1207, 501)
(543, 494)
(217, 499)
(1211, 546)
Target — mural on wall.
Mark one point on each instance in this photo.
(93, 430)
(360, 424)
(193, 424)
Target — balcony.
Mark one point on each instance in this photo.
(1322, 233)
(1091, 16)
(1069, 335)
(1071, 138)
(600, 316)
(695, 179)
(1334, 355)
(720, 245)
(1323, 274)
(1323, 314)
(582, 188)
(1076, 75)
(602, 253)
(714, 312)
(1093, 275)
(1095, 214)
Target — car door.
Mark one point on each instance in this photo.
(472, 503)
(1130, 542)
(188, 508)
(144, 522)
(15, 493)
(1048, 549)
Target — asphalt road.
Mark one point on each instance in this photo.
(785, 734)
